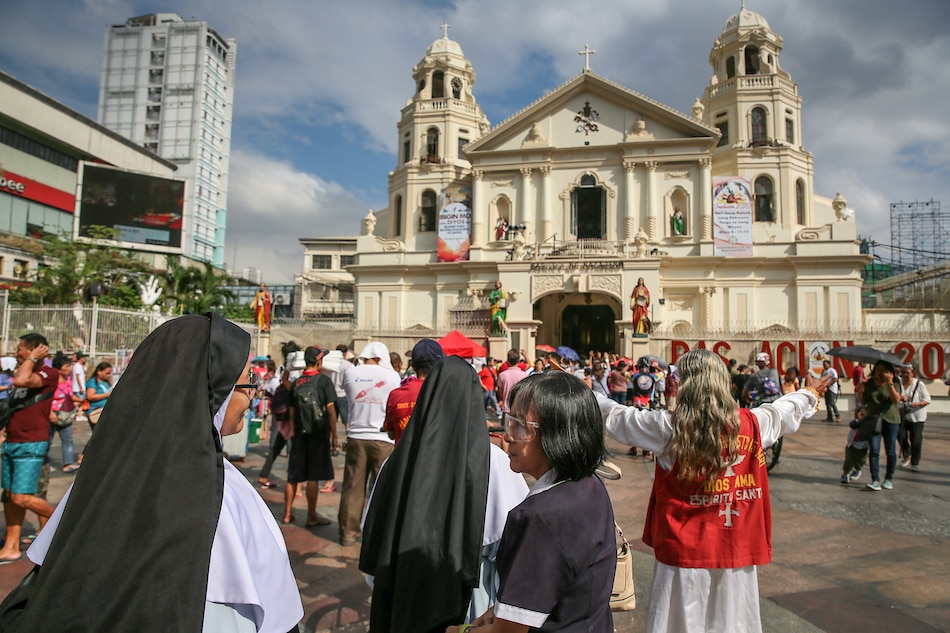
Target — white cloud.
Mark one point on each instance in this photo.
(271, 204)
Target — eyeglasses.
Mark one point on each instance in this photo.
(519, 430)
(253, 381)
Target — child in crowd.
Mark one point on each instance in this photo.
(855, 453)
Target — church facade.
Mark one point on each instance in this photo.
(595, 186)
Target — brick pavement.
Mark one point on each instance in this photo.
(845, 558)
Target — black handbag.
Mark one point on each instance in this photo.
(869, 427)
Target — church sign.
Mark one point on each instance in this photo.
(732, 217)
(455, 224)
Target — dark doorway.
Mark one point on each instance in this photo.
(589, 210)
(588, 328)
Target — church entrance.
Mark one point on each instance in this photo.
(589, 210)
(588, 327)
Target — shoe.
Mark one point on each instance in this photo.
(915, 468)
(844, 478)
(874, 485)
(837, 420)
(905, 462)
(887, 485)
(632, 451)
(854, 475)
(70, 468)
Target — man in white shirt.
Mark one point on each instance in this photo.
(914, 401)
(367, 387)
(831, 396)
(79, 375)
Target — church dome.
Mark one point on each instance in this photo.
(444, 45)
(745, 19)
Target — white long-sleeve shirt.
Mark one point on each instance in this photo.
(650, 429)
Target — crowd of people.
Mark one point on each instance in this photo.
(438, 457)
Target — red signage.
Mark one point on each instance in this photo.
(37, 191)
(931, 356)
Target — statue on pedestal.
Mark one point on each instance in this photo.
(640, 304)
(263, 302)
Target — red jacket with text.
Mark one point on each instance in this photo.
(725, 522)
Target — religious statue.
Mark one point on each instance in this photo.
(498, 300)
(640, 304)
(501, 228)
(262, 308)
(640, 241)
(677, 222)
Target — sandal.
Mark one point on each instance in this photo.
(288, 521)
(319, 521)
(330, 487)
(28, 540)
(266, 484)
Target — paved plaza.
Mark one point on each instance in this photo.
(845, 558)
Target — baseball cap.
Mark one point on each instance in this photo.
(427, 348)
(763, 357)
(313, 354)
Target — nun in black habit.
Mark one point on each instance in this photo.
(159, 533)
(423, 531)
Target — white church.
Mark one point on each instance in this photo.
(574, 198)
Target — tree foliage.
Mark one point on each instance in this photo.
(70, 268)
(191, 289)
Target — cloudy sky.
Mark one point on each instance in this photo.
(320, 85)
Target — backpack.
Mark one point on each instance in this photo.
(769, 391)
(11, 404)
(309, 409)
(280, 403)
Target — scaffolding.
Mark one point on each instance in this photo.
(920, 235)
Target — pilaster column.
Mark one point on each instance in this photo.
(479, 207)
(547, 221)
(708, 293)
(651, 200)
(525, 214)
(629, 201)
(705, 197)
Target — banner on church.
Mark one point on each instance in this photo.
(732, 217)
(455, 224)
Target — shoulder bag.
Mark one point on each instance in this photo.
(623, 597)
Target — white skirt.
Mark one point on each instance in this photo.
(707, 600)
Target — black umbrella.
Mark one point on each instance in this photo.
(865, 354)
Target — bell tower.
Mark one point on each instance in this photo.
(756, 107)
(438, 121)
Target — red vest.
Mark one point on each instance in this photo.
(723, 523)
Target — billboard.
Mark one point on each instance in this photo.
(142, 209)
(732, 217)
(455, 224)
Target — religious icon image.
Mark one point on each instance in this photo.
(640, 304)
(263, 303)
(498, 300)
(677, 222)
(501, 228)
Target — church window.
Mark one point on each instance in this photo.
(432, 145)
(589, 210)
(730, 67)
(724, 130)
(438, 85)
(427, 217)
(397, 208)
(456, 88)
(406, 151)
(764, 200)
(759, 127)
(751, 60)
(462, 143)
(790, 130)
(800, 201)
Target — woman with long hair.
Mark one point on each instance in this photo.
(882, 394)
(709, 519)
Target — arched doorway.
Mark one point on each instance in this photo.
(589, 210)
(588, 327)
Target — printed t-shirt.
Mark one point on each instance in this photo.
(32, 423)
(367, 391)
(402, 401)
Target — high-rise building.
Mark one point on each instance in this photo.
(168, 84)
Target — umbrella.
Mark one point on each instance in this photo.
(566, 352)
(659, 361)
(865, 354)
(544, 348)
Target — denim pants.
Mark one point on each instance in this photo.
(66, 438)
(831, 403)
(889, 434)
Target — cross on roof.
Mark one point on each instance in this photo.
(587, 52)
(445, 29)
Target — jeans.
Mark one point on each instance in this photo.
(889, 434)
(831, 402)
(491, 400)
(277, 445)
(66, 438)
(620, 397)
